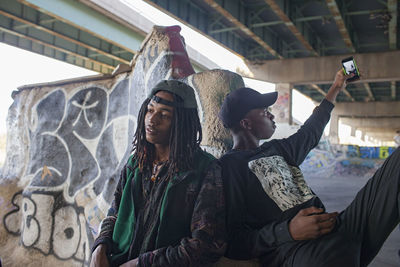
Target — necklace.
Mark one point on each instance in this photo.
(156, 169)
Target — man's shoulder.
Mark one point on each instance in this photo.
(233, 155)
(204, 160)
(247, 155)
(236, 160)
(201, 154)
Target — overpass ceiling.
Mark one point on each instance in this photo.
(262, 30)
(31, 28)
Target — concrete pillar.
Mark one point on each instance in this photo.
(353, 131)
(334, 129)
(282, 109)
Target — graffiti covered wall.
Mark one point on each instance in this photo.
(327, 160)
(68, 142)
(368, 152)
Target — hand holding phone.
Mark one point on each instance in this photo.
(349, 66)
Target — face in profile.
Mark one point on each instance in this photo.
(158, 120)
(262, 123)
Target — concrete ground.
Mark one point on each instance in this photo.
(336, 193)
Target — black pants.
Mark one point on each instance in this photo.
(362, 227)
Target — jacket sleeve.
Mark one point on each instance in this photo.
(207, 241)
(298, 145)
(245, 242)
(107, 224)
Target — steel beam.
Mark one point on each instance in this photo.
(393, 89)
(243, 27)
(334, 9)
(347, 93)
(66, 38)
(229, 29)
(319, 89)
(254, 25)
(102, 67)
(293, 29)
(266, 24)
(392, 7)
(368, 88)
(321, 17)
(83, 17)
(365, 12)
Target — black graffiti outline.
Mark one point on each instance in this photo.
(31, 217)
(56, 195)
(15, 210)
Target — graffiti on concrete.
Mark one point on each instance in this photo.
(369, 152)
(54, 229)
(64, 130)
(281, 107)
(319, 162)
(78, 140)
(327, 160)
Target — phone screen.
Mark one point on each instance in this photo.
(349, 66)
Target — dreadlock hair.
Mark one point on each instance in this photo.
(184, 141)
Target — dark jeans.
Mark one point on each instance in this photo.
(362, 227)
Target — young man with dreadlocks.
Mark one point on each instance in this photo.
(168, 208)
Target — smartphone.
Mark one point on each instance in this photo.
(349, 66)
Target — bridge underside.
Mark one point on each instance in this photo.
(69, 31)
(297, 43)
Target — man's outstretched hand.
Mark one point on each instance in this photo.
(338, 85)
(308, 224)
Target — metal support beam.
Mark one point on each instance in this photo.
(85, 18)
(243, 27)
(108, 68)
(347, 93)
(392, 6)
(266, 24)
(368, 88)
(340, 23)
(393, 89)
(51, 32)
(229, 29)
(281, 14)
(319, 89)
(365, 12)
(311, 18)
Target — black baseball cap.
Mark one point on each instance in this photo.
(179, 88)
(240, 101)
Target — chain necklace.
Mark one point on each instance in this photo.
(156, 170)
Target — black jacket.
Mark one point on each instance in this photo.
(264, 189)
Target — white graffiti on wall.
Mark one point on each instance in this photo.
(60, 231)
(77, 142)
(79, 138)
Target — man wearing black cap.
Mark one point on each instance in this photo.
(168, 208)
(273, 215)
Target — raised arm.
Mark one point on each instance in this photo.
(298, 145)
